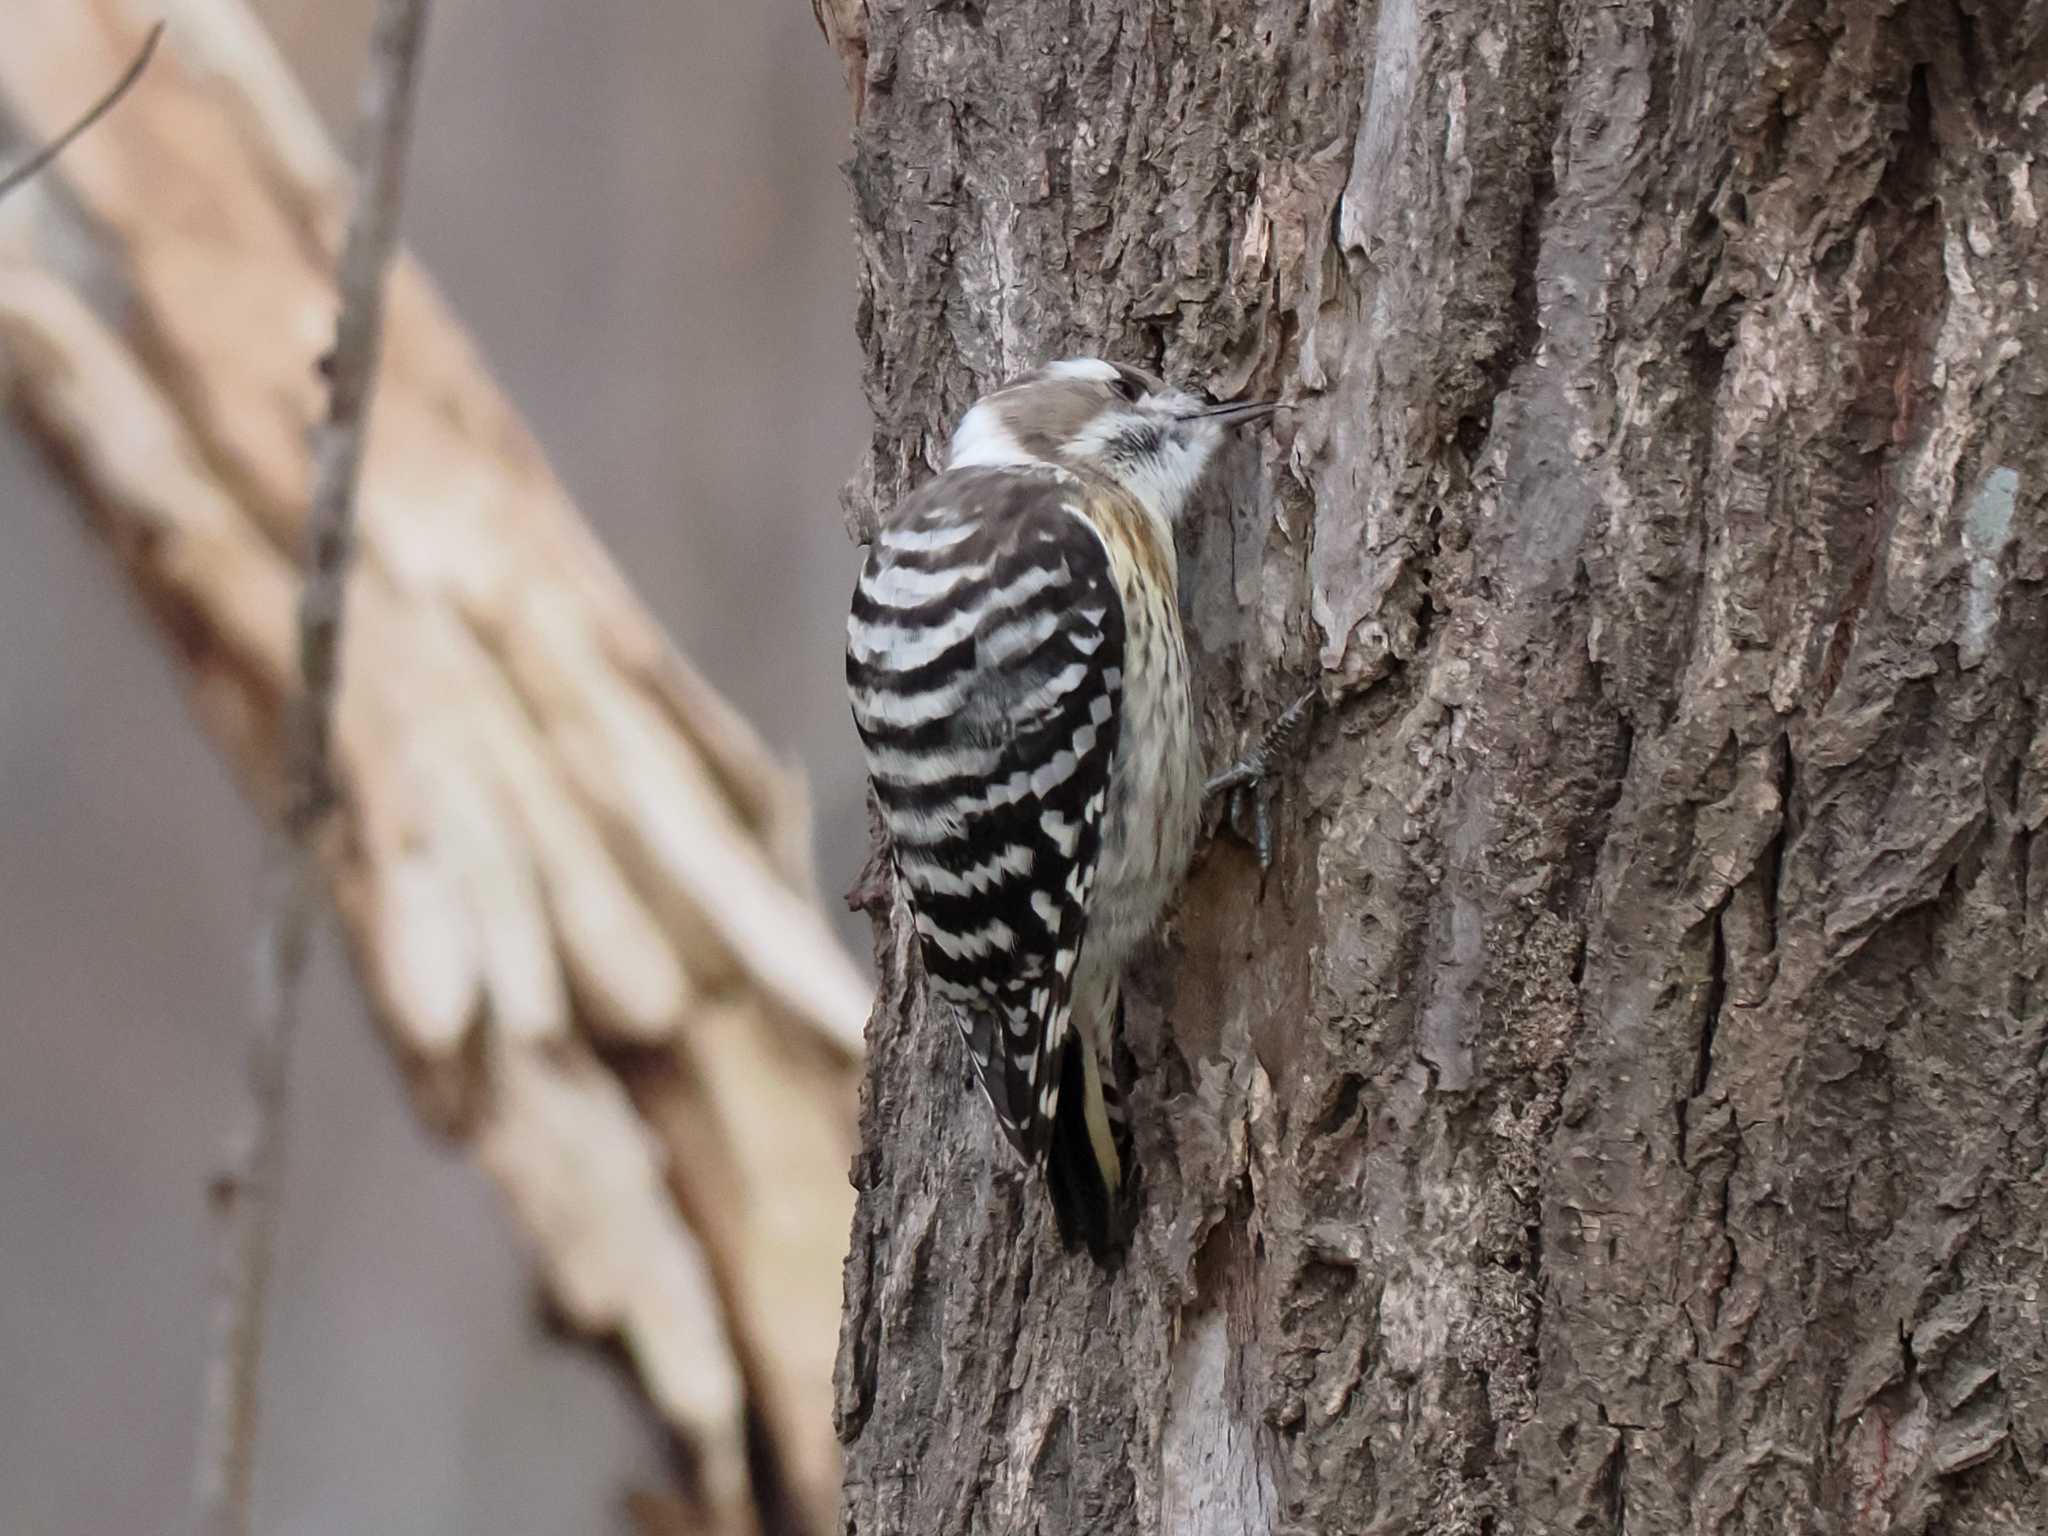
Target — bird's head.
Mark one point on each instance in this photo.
(1105, 418)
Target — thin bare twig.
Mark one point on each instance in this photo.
(34, 165)
(251, 1199)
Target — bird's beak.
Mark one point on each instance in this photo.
(1231, 415)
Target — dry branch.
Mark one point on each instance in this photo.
(36, 163)
(254, 1198)
(573, 879)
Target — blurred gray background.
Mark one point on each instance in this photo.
(635, 206)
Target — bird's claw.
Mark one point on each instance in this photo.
(1240, 782)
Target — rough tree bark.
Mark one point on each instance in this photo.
(1622, 1106)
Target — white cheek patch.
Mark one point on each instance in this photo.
(983, 438)
(1093, 440)
(1093, 368)
(1162, 481)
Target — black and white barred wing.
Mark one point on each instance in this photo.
(985, 665)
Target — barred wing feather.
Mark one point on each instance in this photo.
(985, 666)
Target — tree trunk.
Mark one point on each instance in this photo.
(1621, 1107)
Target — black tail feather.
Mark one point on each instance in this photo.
(1085, 1207)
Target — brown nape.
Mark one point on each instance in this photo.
(1047, 413)
(1147, 383)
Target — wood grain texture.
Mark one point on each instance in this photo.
(1624, 1108)
(575, 883)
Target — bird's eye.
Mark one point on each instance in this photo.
(1124, 389)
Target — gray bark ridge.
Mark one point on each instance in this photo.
(1624, 1105)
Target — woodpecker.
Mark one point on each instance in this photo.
(1019, 680)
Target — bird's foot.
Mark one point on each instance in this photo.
(1239, 784)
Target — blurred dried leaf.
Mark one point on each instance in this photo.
(573, 878)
